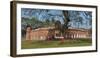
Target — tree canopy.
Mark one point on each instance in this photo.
(48, 17)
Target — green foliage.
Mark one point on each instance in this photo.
(77, 17)
(58, 25)
(36, 23)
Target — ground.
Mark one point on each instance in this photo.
(55, 43)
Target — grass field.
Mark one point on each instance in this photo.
(55, 43)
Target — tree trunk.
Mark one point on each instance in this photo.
(65, 13)
(66, 20)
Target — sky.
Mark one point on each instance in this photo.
(43, 14)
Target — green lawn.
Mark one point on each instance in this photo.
(55, 43)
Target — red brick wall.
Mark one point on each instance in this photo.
(42, 33)
(73, 33)
(39, 34)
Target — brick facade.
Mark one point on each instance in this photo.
(43, 33)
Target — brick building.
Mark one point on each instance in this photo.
(44, 33)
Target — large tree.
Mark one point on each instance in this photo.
(68, 18)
